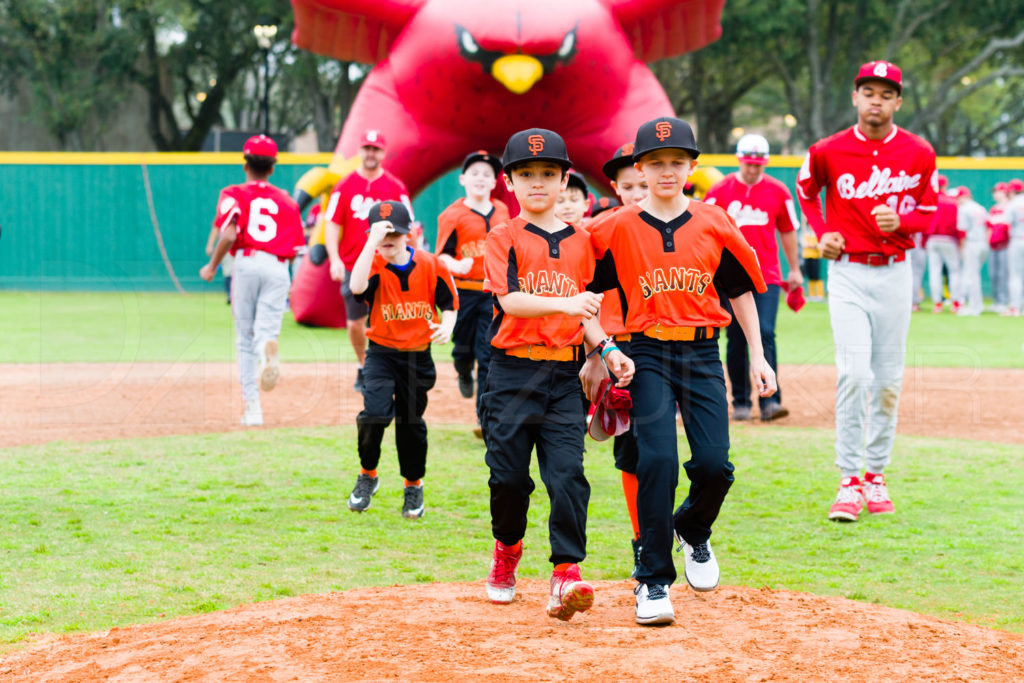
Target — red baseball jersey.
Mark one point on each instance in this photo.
(673, 273)
(403, 300)
(759, 210)
(265, 218)
(520, 257)
(350, 203)
(612, 320)
(462, 233)
(857, 175)
(998, 228)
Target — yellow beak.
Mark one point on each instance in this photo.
(518, 73)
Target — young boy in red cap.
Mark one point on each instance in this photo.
(670, 259)
(402, 288)
(538, 267)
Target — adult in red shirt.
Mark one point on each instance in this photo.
(346, 226)
(880, 187)
(761, 206)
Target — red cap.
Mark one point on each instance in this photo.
(943, 181)
(1015, 185)
(1001, 187)
(795, 297)
(880, 71)
(260, 146)
(373, 138)
(961, 192)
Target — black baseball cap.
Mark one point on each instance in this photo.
(622, 158)
(393, 212)
(535, 144)
(604, 204)
(484, 156)
(665, 132)
(576, 180)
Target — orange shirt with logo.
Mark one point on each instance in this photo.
(612, 320)
(520, 257)
(403, 300)
(673, 273)
(462, 233)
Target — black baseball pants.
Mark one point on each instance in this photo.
(470, 339)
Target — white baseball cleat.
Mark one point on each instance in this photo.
(253, 415)
(700, 566)
(270, 365)
(653, 605)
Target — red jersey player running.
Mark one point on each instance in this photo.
(346, 226)
(262, 228)
(880, 187)
(760, 205)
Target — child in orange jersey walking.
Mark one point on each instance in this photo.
(402, 288)
(538, 268)
(461, 233)
(670, 258)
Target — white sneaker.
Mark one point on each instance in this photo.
(700, 567)
(253, 416)
(653, 605)
(270, 365)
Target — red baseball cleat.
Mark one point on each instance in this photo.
(501, 581)
(937, 308)
(877, 494)
(849, 501)
(569, 594)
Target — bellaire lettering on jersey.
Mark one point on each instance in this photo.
(904, 178)
(267, 218)
(404, 300)
(759, 210)
(462, 233)
(520, 257)
(350, 204)
(673, 273)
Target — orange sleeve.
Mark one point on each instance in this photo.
(500, 273)
(739, 270)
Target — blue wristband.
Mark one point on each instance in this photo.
(607, 349)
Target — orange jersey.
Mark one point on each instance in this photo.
(402, 301)
(673, 273)
(520, 257)
(462, 232)
(612, 320)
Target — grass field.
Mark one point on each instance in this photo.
(127, 327)
(111, 533)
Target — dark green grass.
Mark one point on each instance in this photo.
(111, 533)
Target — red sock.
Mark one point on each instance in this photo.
(371, 473)
(562, 567)
(630, 485)
(515, 548)
(418, 482)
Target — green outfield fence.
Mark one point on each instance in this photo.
(127, 221)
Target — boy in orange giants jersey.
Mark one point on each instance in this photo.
(402, 287)
(538, 267)
(670, 257)
(461, 232)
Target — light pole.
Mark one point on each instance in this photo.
(265, 38)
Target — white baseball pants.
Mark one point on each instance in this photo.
(259, 294)
(870, 312)
(974, 255)
(943, 250)
(1015, 263)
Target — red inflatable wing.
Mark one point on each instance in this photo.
(351, 30)
(659, 29)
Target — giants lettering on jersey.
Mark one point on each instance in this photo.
(407, 311)
(677, 280)
(472, 249)
(881, 182)
(744, 214)
(548, 282)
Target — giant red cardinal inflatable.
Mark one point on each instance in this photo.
(453, 76)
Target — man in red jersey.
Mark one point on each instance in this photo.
(880, 187)
(261, 227)
(761, 206)
(345, 229)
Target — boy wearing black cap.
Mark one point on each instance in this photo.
(670, 257)
(461, 232)
(402, 287)
(571, 204)
(538, 267)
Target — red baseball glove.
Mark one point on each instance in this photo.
(611, 411)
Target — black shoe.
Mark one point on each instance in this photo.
(741, 413)
(366, 486)
(773, 411)
(358, 386)
(636, 558)
(412, 507)
(466, 384)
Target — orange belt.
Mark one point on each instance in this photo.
(541, 352)
(668, 333)
(475, 285)
(623, 337)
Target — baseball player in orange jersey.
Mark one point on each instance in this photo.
(880, 187)
(669, 259)
(402, 287)
(261, 227)
(571, 205)
(538, 267)
(461, 233)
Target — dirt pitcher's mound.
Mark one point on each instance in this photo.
(449, 632)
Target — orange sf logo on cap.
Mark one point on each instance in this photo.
(627, 149)
(385, 211)
(536, 144)
(663, 130)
